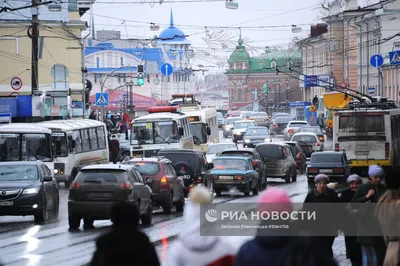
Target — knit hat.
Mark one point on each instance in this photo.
(375, 170)
(321, 178)
(275, 199)
(354, 178)
(200, 195)
(113, 136)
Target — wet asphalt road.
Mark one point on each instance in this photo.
(24, 243)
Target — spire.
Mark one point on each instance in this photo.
(171, 20)
(240, 41)
(92, 22)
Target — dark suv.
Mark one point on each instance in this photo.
(168, 188)
(191, 165)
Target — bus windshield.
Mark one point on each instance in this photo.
(25, 147)
(60, 144)
(199, 132)
(155, 132)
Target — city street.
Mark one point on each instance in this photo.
(23, 243)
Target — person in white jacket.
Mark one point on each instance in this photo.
(192, 249)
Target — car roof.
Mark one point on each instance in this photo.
(273, 143)
(121, 167)
(244, 121)
(290, 142)
(222, 144)
(299, 121)
(248, 150)
(21, 163)
(148, 159)
(231, 157)
(258, 127)
(329, 152)
(179, 151)
(304, 134)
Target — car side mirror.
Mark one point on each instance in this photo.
(47, 178)
(180, 131)
(218, 154)
(210, 165)
(208, 131)
(149, 181)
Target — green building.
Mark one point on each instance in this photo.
(249, 75)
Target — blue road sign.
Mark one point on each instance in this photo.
(372, 91)
(167, 69)
(376, 60)
(394, 57)
(310, 81)
(101, 99)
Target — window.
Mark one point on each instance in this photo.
(271, 151)
(85, 140)
(147, 168)
(273, 64)
(239, 97)
(362, 123)
(138, 176)
(97, 62)
(122, 61)
(93, 139)
(101, 138)
(78, 141)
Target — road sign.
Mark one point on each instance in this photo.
(310, 81)
(166, 69)
(5, 119)
(101, 99)
(372, 91)
(16, 83)
(394, 57)
(376, 60)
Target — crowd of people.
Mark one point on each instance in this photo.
(125, 242)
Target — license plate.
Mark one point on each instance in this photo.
(6, 203)
(226, 177)
(100, 195)
(325, 170)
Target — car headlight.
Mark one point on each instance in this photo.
(247, 140)
(56, 171)
(267, 140)
(237, 133)
(33, 190)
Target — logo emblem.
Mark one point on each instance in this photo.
(3, 193)
(211, 216)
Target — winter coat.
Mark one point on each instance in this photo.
(123, 247)
(191, 249)
(114, 147)
(365, 215)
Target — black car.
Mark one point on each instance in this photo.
(279, 125)
(316, 130)
(257, 162)
(28, 188)
(191, 165)
(331, 163)
(255, 135)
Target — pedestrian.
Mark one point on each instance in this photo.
(92, 115)
(114, 148)
(321, 122)
(280, 248)
(388, 215)
(373, 248)
(125, 244)
(192, 249)
(322, 194)
(353, 249)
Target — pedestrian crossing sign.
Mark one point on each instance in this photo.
(394, 57)
(101, 99)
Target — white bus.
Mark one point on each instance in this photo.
(203, 123)
(163, 128)
(26, 142)
(76, 143)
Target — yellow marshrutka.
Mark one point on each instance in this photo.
(334, 101)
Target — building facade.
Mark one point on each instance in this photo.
(111, 64)
(247, 76)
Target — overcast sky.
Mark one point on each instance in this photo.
(263, 22)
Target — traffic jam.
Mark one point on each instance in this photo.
(61, 181)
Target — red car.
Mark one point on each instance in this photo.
(167, 187)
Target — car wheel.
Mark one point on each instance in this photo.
(180, 205)
(246, 193)
(74, 222)
(294, 178)
(148, 217)
(167, 208)
(88, 222)
(41, 216)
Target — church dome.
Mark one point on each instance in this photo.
(240, 54)
(172, 34)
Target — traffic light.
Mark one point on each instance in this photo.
(140, 80)
(88, 88)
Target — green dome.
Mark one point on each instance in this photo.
(240, 54)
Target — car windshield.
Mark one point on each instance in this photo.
(257, 131)
(213, 149)
(18, 172)
(199, 132)
(305, 138)
(146, 168)
(245, 114)
(238, 164)
(298, 124)
(281, 115)
(283, 119)
(315, 130)
(100, 175)
(231, 121)
(220, 115)
(25, 147)
(271, 151)
(326, 158)
(155, 132)
(255, 114)
(237, 153)
(244, 124)
(60, 144)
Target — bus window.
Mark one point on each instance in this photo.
(60, 144)
(78, 141)
(85, 140)
(93, 138)
(101, 137)
(9, 147)
(36, 147)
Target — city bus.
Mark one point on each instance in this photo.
(76, 143)
(165, 127)
(26, 142)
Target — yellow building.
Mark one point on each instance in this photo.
(60, 60)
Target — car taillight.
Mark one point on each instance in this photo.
(318, 144)
(336, 146)
(198, 180)
(125, 185)
(284, 154)
(254, 163)
(276, 125)
(387, 150)
(290, 131)
(163, 180)
(75, 185)
(321, 138)
(239, 177)
(298, 155)
(312, 170)
(338, 170)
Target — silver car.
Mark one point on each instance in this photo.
(227, 127)
(261, 118)
(215, 149)
(292, 128)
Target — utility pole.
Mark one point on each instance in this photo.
(35, 47)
